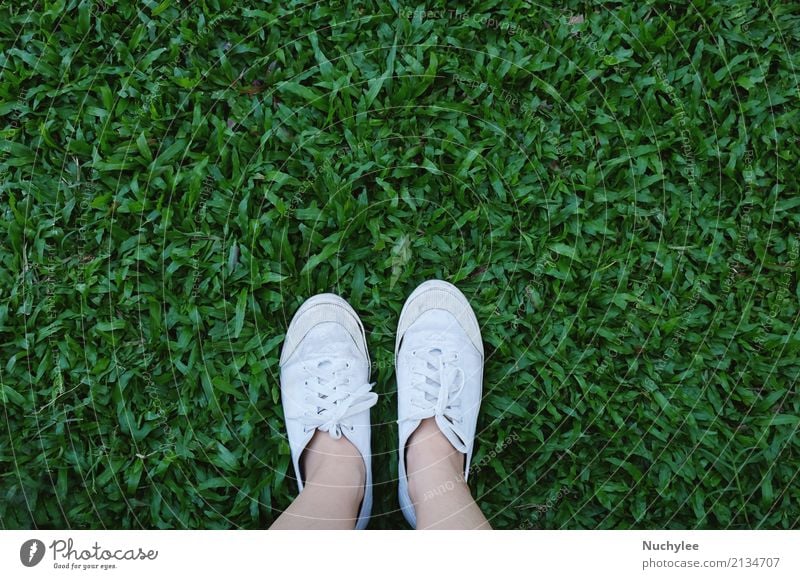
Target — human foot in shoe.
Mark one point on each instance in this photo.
(439, 364)
(326, 396)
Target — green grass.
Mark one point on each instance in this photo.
(614, 188)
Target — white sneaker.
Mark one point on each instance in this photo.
(439, 364)
(325, 384)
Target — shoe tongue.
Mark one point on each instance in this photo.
(435, 351)
(324, 365)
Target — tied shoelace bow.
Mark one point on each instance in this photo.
(330, 400)
(438, 383)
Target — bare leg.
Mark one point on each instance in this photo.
(334, 487)
(436, 482)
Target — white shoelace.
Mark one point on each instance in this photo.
(438, 384)
(329, 399)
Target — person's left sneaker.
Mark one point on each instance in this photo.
(325, 386)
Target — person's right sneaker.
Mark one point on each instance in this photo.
(439, 365)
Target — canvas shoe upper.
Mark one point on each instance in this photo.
(325, 386)
(439, 366)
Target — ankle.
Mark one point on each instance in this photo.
(433, 465)
(428, 448)
(335, 464)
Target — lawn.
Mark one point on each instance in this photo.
(613, 186)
